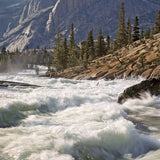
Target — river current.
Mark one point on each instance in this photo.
(76, 120)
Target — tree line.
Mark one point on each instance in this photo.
(127, 34)
(21, 60)
(70, 55)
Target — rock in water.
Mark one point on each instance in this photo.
(152, 86)
(16, 84)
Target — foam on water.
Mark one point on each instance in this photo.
(69, 119)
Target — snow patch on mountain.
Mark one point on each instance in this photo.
(49, 22)
(51, 16)
(55, 7)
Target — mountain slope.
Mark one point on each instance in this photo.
(10, 11)
(38, 20)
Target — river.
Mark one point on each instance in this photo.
(76, 120)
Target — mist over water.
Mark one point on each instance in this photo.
(76, 120)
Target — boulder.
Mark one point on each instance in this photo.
(152, 86)
(15, 84)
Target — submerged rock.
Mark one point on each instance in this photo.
(152, 86)
(16, 84)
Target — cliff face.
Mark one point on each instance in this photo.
(10, 11)
(37, 20)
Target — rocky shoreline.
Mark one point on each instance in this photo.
(141, 58)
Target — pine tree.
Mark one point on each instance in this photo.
(115, 45)
(100, 45)
(121, 34)
(142, 33)
(65, 54)
(147, 33)
(3, 56)
(72, 40)
(72, 59)
(82, 51)
(129, 32)
(108, 43)
(157, 24)
(90, 51)
(58, 52)
(136, 35)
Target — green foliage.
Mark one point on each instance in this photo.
(157, 24)
(72, 50)
(89, 49)
(147, 33)
(77, 70)
(121, 34)
(142, 33)
(108, 44)
(136, 35)
(58, 52)
(72, 40)
(129, 32)
(100, 45)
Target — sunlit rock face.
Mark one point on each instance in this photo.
(10, 11)
(35, 22)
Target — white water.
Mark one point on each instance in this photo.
(76, 120)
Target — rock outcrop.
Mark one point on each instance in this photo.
(152, 86)
(4, 84)
(142, 58)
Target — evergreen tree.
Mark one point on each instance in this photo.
(65, 54)
(147, 33)
(129, 32)
(157, 24)
(90, 51)
(3, 50)
(3, 57)
(136, 35)
(108, 43)
(82, 51)
(142, 33)
(121, 34)
(72, 40)
(115, 45)
(100, 45)
(72, 59)
(58, 52)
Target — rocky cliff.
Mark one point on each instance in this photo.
(35, 22)
(10, 11)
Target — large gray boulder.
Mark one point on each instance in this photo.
(152, 86)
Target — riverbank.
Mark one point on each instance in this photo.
(141, 58)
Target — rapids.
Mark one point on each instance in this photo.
(76, 120)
